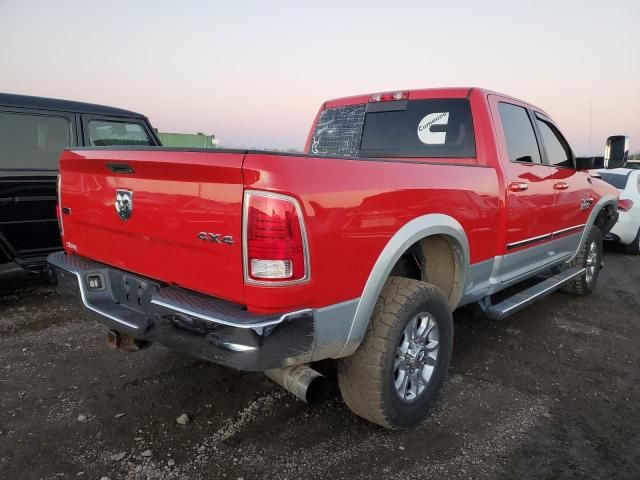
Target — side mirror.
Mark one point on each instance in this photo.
(616, 152)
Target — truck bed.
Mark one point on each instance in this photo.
(352, 207)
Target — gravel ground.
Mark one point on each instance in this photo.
(552, 392)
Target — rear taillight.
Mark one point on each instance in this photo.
(388, 97)
(275, 246)
(625, 204)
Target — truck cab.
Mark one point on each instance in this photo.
(33, 133)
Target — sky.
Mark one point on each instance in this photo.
(254, 73)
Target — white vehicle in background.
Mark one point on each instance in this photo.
(627, 230)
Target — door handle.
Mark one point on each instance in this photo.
(518, 186)
(561, 185)
(120, 168)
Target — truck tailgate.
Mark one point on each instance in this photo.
(182, 205)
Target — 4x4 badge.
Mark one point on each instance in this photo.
(215, 238)
(124, 204)
(586, 203)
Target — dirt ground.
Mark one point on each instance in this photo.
(552, 392)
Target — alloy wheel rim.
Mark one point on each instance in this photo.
(592, 259)
(416, 357)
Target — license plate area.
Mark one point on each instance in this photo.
(131, 291)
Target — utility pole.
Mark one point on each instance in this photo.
(590, 152)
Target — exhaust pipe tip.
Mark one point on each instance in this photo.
(304, 382)
(318, 391)
(127, 343)
(113, 339)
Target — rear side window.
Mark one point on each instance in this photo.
(558, 151)
(435, 128)
(32, 142)
(616, 179)
(518, 134)
(103, 133)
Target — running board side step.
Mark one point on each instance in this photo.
(520, 300)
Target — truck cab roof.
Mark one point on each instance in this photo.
(421, 94)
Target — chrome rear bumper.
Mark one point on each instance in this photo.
(203, 326)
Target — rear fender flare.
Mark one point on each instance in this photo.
(409, 234)
(602, 203)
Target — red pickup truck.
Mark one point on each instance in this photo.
(404, 207)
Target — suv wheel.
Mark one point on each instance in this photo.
(634, 247)
(395, 376)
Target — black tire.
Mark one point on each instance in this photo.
(634, 247)
(367, 378)
(582, 285)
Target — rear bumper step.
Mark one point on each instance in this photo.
(203, 326)
(522, 299)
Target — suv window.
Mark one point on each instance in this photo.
(31, 141)
(103, 133)
(437, 128)
(558, 151)
(518, 133)
(635, 165)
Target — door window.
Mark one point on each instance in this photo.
(103, 133)
(32, 142)
(518, 133)
(558, 151)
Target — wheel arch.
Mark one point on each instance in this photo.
(422, 234)
(603, 215)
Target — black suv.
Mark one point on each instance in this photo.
(33, 133)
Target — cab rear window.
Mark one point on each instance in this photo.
(339, 131)
(436, 128)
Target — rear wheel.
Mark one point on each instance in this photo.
(395, 376)
(634, 247)
(590, 258)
